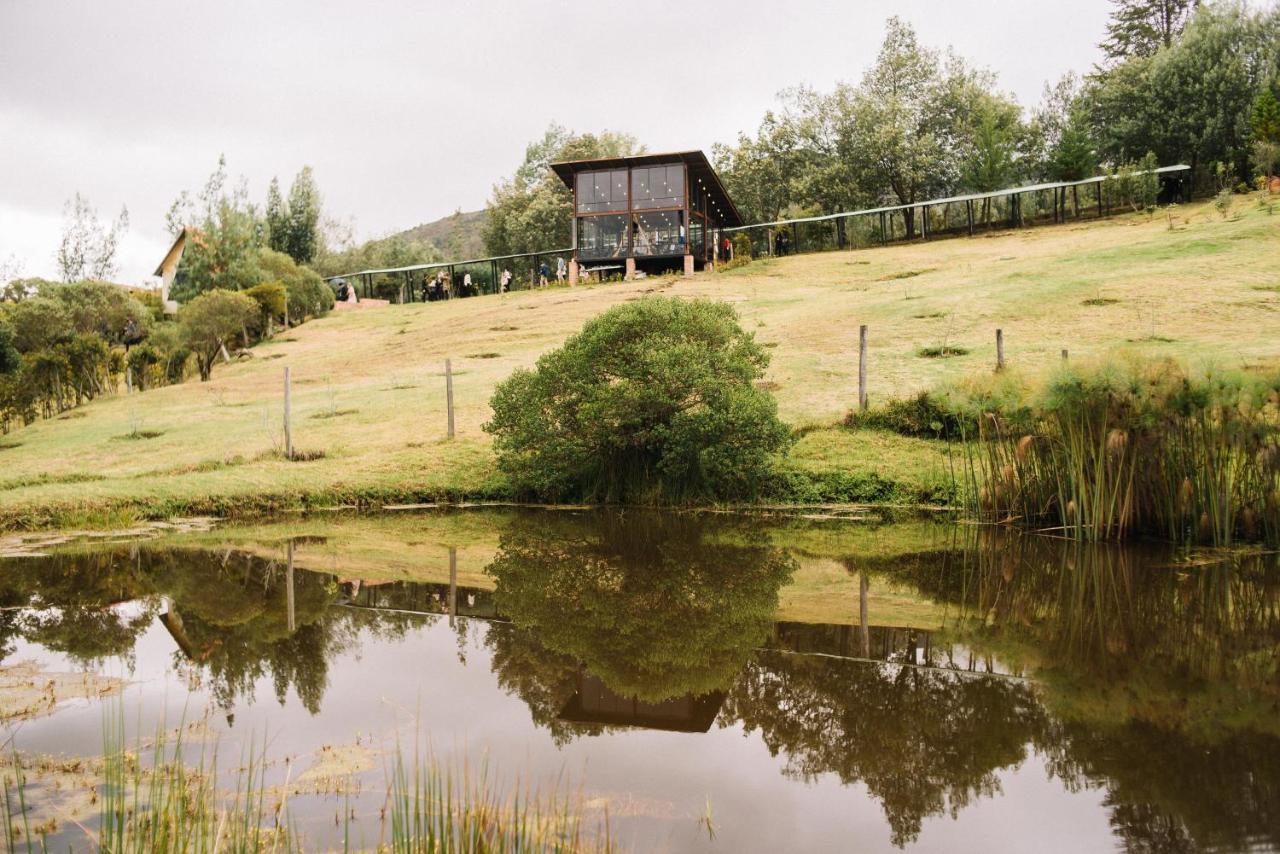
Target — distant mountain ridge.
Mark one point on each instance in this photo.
(457, 237)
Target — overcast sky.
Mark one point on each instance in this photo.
(410, 110)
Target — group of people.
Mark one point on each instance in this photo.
(544, 272)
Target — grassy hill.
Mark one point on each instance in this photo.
(457, 236)
(369, 393)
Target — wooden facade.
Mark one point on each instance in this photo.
(650, 211)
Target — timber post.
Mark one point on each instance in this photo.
(288, 427)
(862, 368)
(448, 392)
(999, 349)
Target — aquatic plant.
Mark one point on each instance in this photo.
(1128, 447)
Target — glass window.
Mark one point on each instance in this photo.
(657, 186)
(602, 191)
(658, 233)
(696, 232)
(602, 237)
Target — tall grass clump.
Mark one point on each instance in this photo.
(1129, 448)
(437, 809)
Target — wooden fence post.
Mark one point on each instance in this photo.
(289, 593)
(448, 392)
(453, 584)
(1064, 355)
(862, 368)
(288, 430)
(999, 349)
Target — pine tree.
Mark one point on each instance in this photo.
(277, 218)
(1142, 27)
(303, 218)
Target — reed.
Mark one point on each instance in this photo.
(169, 799)
(1128, 448)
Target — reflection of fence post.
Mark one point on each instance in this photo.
(448, 392)
(862, 368)
(862, 614)
(453, 584)
(999, 349)
(288, 428)
(289, 596)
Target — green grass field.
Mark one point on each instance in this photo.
(369, 391)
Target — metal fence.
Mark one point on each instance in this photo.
(967, 215)
(417, 282)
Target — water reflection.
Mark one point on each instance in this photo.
(1141, 673)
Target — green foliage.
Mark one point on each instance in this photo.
(39, 322)
(1130, 448)
(212, 320)
(654, 400)
(271, 299)
(1264, 118)
(1188, 102)
(590, 593)
(10, 358)
(533, 210)
(1142, 27)
(103, 309)
(919, 124)
(923, 415)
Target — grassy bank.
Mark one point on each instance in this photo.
(369, 392)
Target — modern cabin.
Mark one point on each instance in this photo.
(650, 212)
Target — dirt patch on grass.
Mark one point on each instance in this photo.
(4, 446)
(337, 413)
(1100, 301)
(484, 355)
(929, 315)
(138, 435)
(767, 385)
(905, 274)
(503, 328)
(70, 415)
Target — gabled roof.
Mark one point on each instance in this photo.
(699, 169)
(175, 251)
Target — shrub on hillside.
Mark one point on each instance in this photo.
(210, 321)
(654, 400)
(922, 415)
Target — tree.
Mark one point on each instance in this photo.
(222, 249)
(211, 320)
(272, 303)
(303, 230)
(1189, 102)
(1142, 27)
(103, 309)
(88, 248)
(652, 400)
(912, 119)
(277, 217)
(1264, 118)
(39, 322)
(533, 210)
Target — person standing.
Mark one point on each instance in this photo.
(561, 270)
(544, 273)
(506, 280)
(466, 284)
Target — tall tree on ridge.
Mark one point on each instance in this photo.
(1142, 27)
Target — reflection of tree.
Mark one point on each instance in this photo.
(233, 613)
(657, 606)
(1160, 678)
(77, 604)
(545, 680)
(1172, 792)
(922, 741)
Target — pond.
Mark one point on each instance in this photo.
(708, 682)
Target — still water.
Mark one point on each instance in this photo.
(798, 685)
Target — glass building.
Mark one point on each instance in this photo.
(651, 211)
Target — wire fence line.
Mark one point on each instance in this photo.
(963, 215)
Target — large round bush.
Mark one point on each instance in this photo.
(652, 401)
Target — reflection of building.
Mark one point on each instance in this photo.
(595, 703)
(651, 211)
